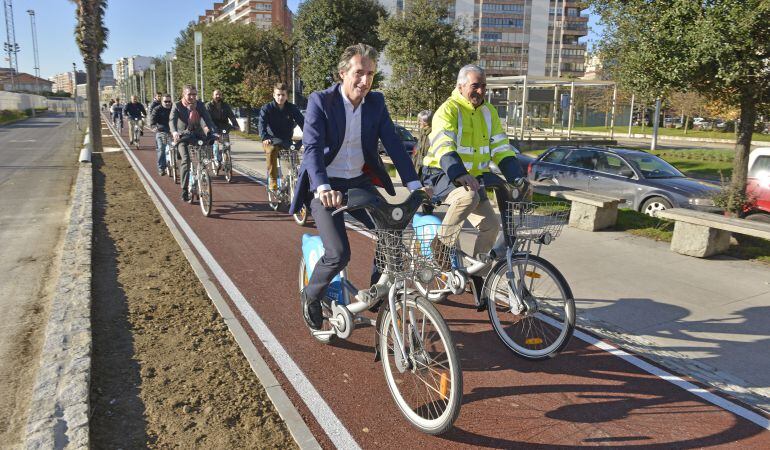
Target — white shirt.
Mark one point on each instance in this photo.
(349, 161)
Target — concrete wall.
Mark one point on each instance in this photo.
(13, 101)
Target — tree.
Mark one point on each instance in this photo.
(717, 48)
(687, 104)
(324, 28)
(426, 51)
(230, 52)
(91, 37)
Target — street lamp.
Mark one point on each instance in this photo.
(170, 57)
(75, 93)
(198, 41)
(154, 86)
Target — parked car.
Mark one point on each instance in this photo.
(758, 185)
(641, 180)
(407, 139)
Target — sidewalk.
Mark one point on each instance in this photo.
(709, 319)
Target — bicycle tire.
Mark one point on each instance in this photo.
(299, 217)
(228, 164)
(450, 383)
(273, 199)
(537, 336)
(205, 192)
(303, 281)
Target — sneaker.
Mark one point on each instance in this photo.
(312, 312)
(161, 172)
(185, 196)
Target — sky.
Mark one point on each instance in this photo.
(136, 27)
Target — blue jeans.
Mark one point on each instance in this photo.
(161, 151)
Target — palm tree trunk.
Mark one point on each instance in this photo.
(94, 119)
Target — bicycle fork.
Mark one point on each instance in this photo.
(517, 300)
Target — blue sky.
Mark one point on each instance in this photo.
(137, 27)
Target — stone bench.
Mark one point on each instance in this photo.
(703, 234)
(590, 212)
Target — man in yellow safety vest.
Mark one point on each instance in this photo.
(467, 136)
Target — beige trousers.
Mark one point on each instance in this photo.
(272, 166)
(466, 204)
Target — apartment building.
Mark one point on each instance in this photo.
(521, 37)
(261, 13)
(64, 81)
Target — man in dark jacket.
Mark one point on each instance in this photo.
(185, 123)
(155, 102)
(159, 122)
(277, 120)
(223, 118)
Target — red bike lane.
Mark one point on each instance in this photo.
(583, 397)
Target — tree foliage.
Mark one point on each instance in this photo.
(426, 51)
(324, 28)
(232, 53)
(718, 48)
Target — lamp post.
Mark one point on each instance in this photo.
(31, 13)
(75, 93)
(170, 57)
(154, 86)
(198, 40)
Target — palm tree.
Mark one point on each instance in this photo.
(91, 36)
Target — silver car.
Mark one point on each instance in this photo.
(643, 181)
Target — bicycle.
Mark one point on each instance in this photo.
(227, 161)
(199, 178)
(117, 121)
(290, 158)
(134, 131)
(171, 159)
(529, 302)
(419, 359)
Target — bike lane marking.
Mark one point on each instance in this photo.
(326, 418)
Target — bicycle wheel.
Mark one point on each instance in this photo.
(204, 192)
(428, 385)
(173, 167)
(301, 216)
(228, 165)
(545, 330)
(304, 278)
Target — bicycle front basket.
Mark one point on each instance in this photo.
(537, 221)
(416, 249)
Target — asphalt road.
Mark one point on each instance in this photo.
(38, 165)
(585, 396)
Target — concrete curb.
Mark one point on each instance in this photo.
(59, 408)
(666, 138)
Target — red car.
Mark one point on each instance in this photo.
(758, 185)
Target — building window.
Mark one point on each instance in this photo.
(503, 8)
(573, 12)
(486, 36)
(498, 22)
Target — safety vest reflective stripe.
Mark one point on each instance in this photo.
(497, 138)
(465, 150)
(502, 148)
(444, 134)
(487, 118)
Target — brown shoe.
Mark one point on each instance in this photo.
(442, 254)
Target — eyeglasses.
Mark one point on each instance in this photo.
(166, 103)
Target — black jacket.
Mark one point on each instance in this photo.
(222, 115)
(134, 110)
(275, 123)
(153, 105)
(159, 118)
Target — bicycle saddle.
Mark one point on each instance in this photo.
(384, 214)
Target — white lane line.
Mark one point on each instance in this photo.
(638, 362)
(326, 418)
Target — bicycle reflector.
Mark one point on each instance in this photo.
(444, 386)
(533, 341)
(532, 274)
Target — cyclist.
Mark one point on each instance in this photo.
(136, 113)
(117, 113)
(156, 101)
(223, 117)
(277, 120)
(466, 137)
(159, 122)
(185, 123)
(341, 153)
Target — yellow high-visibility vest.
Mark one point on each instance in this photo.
(475, 134)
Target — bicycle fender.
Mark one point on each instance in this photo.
(380, 313)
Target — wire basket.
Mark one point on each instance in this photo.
(425, 248)
(536, 221)
(292, 157)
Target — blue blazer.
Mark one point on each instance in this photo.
(324, 132)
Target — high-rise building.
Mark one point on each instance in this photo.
(126, 74)
(521, 37)
(107, 78)
(64, 81)
(262, 13)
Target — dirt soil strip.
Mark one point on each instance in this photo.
(166, 371)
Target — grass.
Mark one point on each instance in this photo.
(7, 116)
(696, 134)
(698, 163)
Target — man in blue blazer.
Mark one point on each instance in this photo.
(342, 126)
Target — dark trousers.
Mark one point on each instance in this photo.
(335, 238)
(184, 155)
